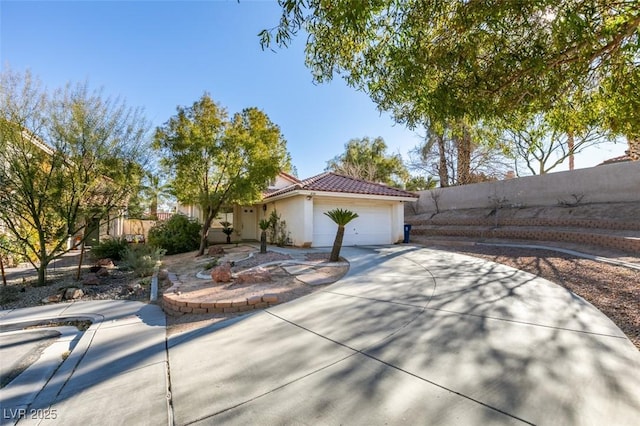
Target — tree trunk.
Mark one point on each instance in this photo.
(634, 148)
(4, 278)
(337, 245)
(154, 209)
(570, 146)
(464, 157)
(78, 273)
(443, 170)
(263, 242)
(205, 230)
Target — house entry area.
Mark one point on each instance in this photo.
(248, 221)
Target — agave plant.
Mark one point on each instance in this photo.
(341, 218)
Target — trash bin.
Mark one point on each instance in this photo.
(407, 230)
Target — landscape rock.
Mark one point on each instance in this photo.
(54, 298)
(215, 250)
(73, 293)
(102, 272)
(221, 274)
(91, 279)
(163, 274)
(258, 275)
(105, 263)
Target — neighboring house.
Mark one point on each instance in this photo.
(302, 204)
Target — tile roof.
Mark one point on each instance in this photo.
(615, 160)
(334, 182)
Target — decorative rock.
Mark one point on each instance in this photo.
(221, 274)
(258, 275)
(215, 250)
(102, 272)
(73, 293)
(91, 279)
(54, 298)
(105, 263)
(163, 274)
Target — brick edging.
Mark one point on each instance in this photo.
(174, 304)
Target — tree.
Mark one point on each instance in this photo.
(419, 183)
(264, 225)
(368, 159)
(154, 190)
(341, 217)
(445, 60)
(440, 154)
(67, 162)
(541, 148)
(215, 161)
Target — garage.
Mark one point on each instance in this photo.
(301, 204)
(372, 226)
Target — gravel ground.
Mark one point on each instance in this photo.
(614, 290)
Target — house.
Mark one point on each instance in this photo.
(302, 204)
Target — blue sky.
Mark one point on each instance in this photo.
(161, 54)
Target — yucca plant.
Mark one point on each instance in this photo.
(264, 225)
(341, 218)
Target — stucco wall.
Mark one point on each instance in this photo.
(601, 184)
(292, 211)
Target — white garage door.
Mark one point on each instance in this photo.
(372, 226)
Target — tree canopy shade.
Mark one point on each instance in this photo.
(67, 160)
(445, 60)
(216, 161)
(368, 159)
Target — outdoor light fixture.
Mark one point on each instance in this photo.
(309, 197)
(264, 207)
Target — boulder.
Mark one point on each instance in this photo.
(221, 274)
(73, 293)
(258, 275)
(91, 279)
(163, 274)
(105, 263)
(215, 251)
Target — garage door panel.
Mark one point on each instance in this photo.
(373, 226)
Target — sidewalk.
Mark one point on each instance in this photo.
(122, 354)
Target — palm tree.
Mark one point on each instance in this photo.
(264, 225)
(341, 218)
(155, 190)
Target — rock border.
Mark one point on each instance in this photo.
(173, 305)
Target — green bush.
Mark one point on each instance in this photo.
(142, 258)
(179, 234)
(113, 248)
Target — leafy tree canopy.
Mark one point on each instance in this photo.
(368, 159)
(442, 60)
(66, 158)
(215, 160)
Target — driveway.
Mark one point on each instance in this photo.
(409, 336)
(412, 336)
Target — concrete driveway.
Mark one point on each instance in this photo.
(412, 336)
(409, 336)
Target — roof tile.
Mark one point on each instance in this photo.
(334, 182)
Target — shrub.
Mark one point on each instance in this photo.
(113, 248)
(179, 234)
(142, 258)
